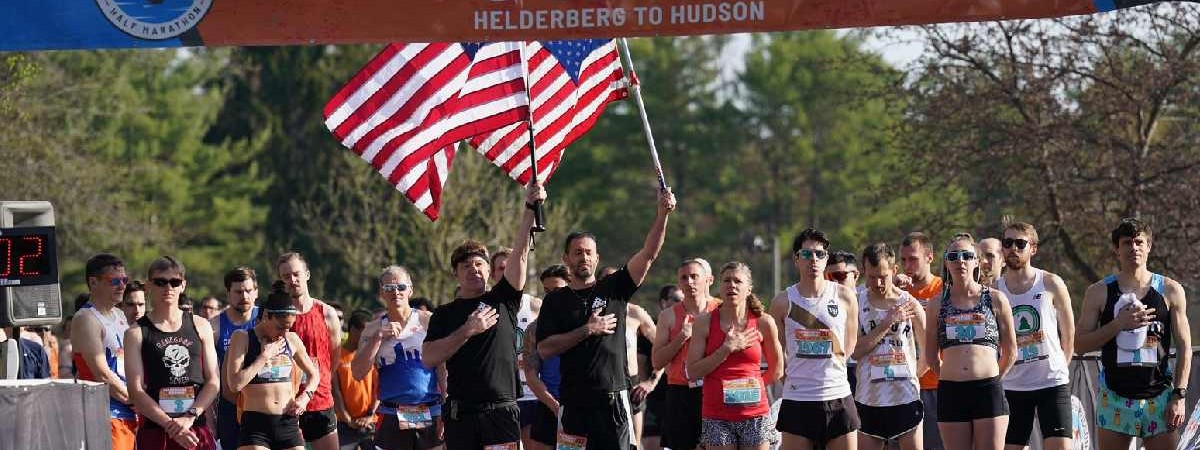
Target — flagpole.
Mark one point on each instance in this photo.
(539, 216)
(636, 87)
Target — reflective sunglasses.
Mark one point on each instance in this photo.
(163, 282)
(117, 281)
(959, 255)
(812, 254)
(1010, 242)
(395, 287)
(839, 276)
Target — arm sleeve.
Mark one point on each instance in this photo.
(506, 294)
(549, 321)
(621, 284)
(438, 326)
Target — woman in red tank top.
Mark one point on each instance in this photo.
(727, 350)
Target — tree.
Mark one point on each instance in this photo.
(1069, 124)
(113, 140)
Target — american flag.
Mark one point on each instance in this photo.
(571, 83)
(407, 109)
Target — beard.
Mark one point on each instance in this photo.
(582, 271)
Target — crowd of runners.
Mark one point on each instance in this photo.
(965, 360)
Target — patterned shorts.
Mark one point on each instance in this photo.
(1130, 416)
(746, 433)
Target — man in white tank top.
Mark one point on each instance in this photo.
(891, 328)
(817, 320)
(1039, 382)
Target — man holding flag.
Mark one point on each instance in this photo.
(585, 324)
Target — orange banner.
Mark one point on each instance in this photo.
(39, 25)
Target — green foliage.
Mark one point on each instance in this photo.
(114, 140)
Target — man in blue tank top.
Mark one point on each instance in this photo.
(1135, 318)
(241, 291)
(409, 394)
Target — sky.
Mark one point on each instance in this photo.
(898, 54)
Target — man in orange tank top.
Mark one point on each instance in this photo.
(916, 254)
(681, 429)
(320, 330)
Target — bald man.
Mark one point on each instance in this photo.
(991, 260)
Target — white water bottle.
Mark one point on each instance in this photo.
(1134, 339)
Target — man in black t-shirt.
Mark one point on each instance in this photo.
(584, 324)
(474, 336)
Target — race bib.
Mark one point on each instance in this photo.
(965, 327)
(1145, 356)
(413, 416)
(504, 446)
(571, 442)
(741, 392)
(278, 367)
(888, 367)
(1031, 347)
(176, 400)
(814, 343)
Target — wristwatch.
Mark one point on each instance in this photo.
(193, 411)
(1179, 392)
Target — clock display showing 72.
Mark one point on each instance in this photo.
(28, 256)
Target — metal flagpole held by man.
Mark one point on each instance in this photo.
(539, 217)
(635, 86)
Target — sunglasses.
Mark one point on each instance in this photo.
(812, 254)
(839, 276)
(395, 287)
(675, 298)
(117, 281)
(163, 282)
(1010, 242)
(959, 255)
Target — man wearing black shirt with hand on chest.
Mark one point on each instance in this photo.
(474, 336)
(584, 323)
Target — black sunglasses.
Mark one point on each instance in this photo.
(163, 282)
(1010, 242)
(839, 276)
(960, 255)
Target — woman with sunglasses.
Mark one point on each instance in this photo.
(727, 349)
(259, 367)
(976, 346)
(410, 395)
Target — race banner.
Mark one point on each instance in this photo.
(95, 24)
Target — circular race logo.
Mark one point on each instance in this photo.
(154, 19)
(1026, 319)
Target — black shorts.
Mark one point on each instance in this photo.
(227, 425)
(476, 426)
(964, 401)
(269, 430)
(526, 414)
(544, 428)
(389, 436)
(680, 427)
(852, 377)
(606, 427)
(656, 406)
(317, 424)
(889, 422)
(1052, 406)
(818, 421)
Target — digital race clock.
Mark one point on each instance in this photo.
(27, 256)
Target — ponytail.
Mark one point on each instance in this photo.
(754, 305)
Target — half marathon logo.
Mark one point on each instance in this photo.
(154, 19)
